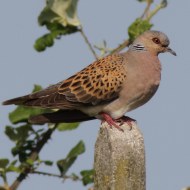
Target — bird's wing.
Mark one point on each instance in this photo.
(98, 83)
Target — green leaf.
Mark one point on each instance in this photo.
(21, 114)
(13, 162)
(18, 134)
(48, 163)
(63, 12)
(23, 132)
(77, 150)
(60, 18)
(56, 30)
(30, 162)
(37, 88)
(21, 136)
(10, 132)
(41, 43)
(3, 163)
(64, 164)
(46, 16)
(13, 168)
(138, 27)
(87, 176)
(67, 126)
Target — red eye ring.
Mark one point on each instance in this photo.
(156, 40)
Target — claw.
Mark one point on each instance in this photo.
(111, 121)
(121, 121)
(128, 120)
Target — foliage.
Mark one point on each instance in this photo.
(56, 31)
(67, 126)
(138, 27)
(87, 176)
(26, 139)
(60, 18)
(67, 162)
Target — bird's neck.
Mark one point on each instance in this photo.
(138, 47)
(141, 48)
(142, 57)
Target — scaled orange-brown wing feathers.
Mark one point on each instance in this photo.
(98, 83)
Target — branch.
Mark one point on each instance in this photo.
(121, 47)
(127, 42)
(146, 11)
(88, 42)
(72, 177)
(33, 157)
(46, 174)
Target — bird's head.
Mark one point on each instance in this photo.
(155, 42)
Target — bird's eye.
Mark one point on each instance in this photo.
(156, 40)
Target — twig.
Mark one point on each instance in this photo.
(74, 178)
(103, 49)
(162, 5)
(33, 156)
(121, 47)
(88, 42)
(145, 13)
(46, 173)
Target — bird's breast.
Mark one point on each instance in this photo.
(142, 82)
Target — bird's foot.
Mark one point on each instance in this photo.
(126, 119)
(112, 122)
(121, 121)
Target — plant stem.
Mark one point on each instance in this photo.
(145, 13)
(162, 5)
(74, 178)
(33, 156)
(121, 47)
(88, 42)
(46, 173)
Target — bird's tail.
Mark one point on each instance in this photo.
(61, 116)
(16, 101)
(36, 99)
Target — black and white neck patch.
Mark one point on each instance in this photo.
(137, 47)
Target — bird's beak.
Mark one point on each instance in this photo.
(168, 49)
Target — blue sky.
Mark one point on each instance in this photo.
(164, 120)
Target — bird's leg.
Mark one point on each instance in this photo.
(110, 121)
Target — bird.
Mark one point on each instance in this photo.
(106, 89)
